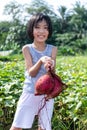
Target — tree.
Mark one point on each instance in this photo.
(79, 19)
(64, 15)
(15, 10)
(4, 29)
(40, 6)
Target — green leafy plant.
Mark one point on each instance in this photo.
(70, 108)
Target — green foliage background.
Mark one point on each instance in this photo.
(69, 26)
(70, 109)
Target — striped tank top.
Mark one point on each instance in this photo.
(29, 82)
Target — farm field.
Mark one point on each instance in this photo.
(70, 108)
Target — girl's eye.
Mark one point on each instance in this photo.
(46, 27)
(37, 27)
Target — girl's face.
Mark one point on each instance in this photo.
(40, 32)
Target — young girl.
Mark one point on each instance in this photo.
(38, 57)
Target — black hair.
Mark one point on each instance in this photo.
(33, 22)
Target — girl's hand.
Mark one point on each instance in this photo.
(49, 65)
(44, 59)
(47, 97)
(48, 62)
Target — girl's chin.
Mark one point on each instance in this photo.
(40, 41)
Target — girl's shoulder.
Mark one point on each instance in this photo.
(51, 46)
(27, 46)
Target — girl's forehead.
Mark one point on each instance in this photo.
(43, 21)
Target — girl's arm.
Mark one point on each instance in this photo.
(47, 61)
(54, 55)
(32, 69)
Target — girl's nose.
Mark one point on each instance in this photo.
(41, 30)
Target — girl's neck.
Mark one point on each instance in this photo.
(39, 46)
